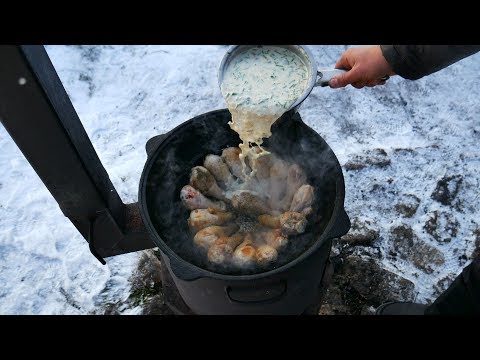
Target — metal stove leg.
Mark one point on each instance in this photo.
(323, 286)
(171, 295)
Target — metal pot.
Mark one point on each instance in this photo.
(288, 288)
(317, 77)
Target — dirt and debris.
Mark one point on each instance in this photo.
(376, 157)
(441, 226)
(409, 247)
(147, 286)
(360, 285)
(361, 233)
(447, 189)
(407, 205)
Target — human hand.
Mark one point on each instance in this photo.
(366, 67)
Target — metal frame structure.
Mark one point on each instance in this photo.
(38, 114)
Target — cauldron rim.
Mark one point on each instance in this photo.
(338, 212)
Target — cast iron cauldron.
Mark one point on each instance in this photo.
(288, 288)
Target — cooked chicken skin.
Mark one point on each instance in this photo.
(201, 218)
(293, 223)
(245, 254)
(260, 165)
(203, 180)
(250, 203)
(278, 183)
(295, 179)
(265, 254)
(290, 222)
(222, 249)
(303, 198)
(193, 199)
(231, 157)
(219, 169)
(307, 211)
(206, 237)
(275, 238)
(269, 220)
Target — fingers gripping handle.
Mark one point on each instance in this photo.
(324, 76)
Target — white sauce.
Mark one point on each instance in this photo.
(259, 85)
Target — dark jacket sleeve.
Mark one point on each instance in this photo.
(416, 61)
(462, 296)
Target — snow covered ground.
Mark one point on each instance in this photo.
(124, 95)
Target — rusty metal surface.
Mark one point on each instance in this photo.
(133, 221)
(132, 237)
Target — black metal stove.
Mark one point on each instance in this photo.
(175, 303)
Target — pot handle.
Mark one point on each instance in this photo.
(324, 76)
(154, 142)
(256, 295)
(341, 226)
(181, 271)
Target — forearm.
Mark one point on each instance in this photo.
(415, 61)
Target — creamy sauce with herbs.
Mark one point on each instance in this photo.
(259, 85)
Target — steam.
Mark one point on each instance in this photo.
(270, 141)
(250, 198)
(291, 141)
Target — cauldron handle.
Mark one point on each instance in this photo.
(180, 270)
(341, 225)
(154, 142)
(258, 294)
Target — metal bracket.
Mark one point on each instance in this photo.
(101, 226)
(90, 242)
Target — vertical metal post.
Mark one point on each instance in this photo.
(38, 114)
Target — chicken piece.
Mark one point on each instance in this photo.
(206, 237)
(219, 170)
(293, 223)
(295, 179)
(275, 238)
(203, 180)
(260, 164)
(269, 220)
(231, 156)
(250, 203)
(265, 254)
(303, 198)
(307, 211)
(201, 218)
(244, 255)
(278, 182)
(290, 222)
(193, 199)
(222, 249)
